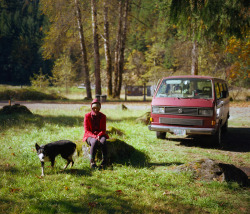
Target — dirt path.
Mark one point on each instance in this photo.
(72, 106)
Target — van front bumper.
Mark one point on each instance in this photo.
(189, 130)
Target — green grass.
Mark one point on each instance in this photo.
(151, 187)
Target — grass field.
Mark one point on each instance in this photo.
(147, 187)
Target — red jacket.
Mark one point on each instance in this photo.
(94, 125)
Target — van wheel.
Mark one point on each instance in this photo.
(161, 135)
(224, 128)
(218, 137)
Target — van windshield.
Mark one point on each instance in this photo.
(185, 88)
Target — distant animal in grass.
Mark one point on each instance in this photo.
(48, 152)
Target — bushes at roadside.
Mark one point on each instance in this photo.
(15, 109)
(28, 94)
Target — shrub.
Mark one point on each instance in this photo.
(15, 109)
(28, 94)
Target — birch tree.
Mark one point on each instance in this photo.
(107, 47)
(117, 50)
(83, 50)
(98, 89)
(120, 46)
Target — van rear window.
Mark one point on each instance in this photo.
(185, 88)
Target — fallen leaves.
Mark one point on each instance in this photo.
(87, 187)
(14, 190)
(167, 192)
(199, 184)
(243, 209)
(119, 192)
(92, 204)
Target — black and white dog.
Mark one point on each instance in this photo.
(49, 152)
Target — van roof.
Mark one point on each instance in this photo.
(194, 76)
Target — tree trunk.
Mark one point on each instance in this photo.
(98, 86)
(194, 56)
(120, 46)
(117, 52)
(107, 49)
(123, 42)
(83, 50)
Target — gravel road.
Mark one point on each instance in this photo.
(43, 106)
(235, 112)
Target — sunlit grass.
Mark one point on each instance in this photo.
(123, 188)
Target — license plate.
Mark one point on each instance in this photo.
(179, 132)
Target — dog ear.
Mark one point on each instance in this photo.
(37, 147)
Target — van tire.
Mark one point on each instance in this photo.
(224, 128)
(218, 137)
(161, 135)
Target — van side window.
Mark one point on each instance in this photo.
(217, 90)
(225, 88)
(221, 87)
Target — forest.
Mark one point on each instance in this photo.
(112, 43)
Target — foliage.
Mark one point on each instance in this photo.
(213, 19)
(61, 34)
(21, 32)
(14, 109)
(239, 53)
(40, 80)
(136, 66)
(27, 94)
(63, 75)
(209, 20)
(36, 34)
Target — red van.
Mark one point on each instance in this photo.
(190, 105)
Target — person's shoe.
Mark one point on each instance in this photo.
(92, 164)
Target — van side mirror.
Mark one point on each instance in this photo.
(223, 94)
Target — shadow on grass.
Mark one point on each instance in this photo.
(78, 172)
(41, 206)
(236, 140)
(70, 121)
(7, 168)
(23, 120)
(137, 159)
